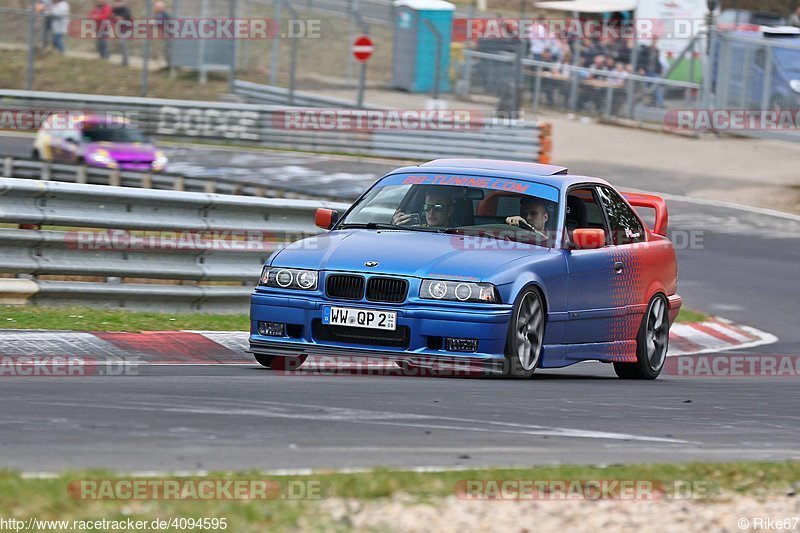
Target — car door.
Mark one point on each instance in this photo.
(591, 300)
(631, 253)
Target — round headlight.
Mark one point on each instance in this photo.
(284, 278)
(306, 279)
(463, 291)
(438, 289)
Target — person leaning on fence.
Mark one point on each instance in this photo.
(101, 15)
(122, 14)
(60, 24)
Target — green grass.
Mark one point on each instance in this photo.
(90, 319)
(690, 315)
(48, 498)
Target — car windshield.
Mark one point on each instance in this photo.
(497, 208)
(115, 133)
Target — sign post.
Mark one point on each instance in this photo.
(362, 50)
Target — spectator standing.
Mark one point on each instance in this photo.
(162, 16)
(122, 17)
(101, 15)
(60, 23)
(650, 66)
(44, 8)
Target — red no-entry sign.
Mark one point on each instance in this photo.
(362, 48)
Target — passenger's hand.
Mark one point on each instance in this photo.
(400, 218)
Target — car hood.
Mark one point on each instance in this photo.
(408, 253)
(125, 151)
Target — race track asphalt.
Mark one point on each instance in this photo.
(742, 266)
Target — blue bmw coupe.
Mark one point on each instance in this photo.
(502, 266)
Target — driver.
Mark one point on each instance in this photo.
(532, 211)
(438, 209)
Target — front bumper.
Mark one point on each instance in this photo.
(488, 324)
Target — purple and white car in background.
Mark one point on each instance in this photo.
(98, 141)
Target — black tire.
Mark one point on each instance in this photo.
(653, 333)
(277, 362)
(525, 336)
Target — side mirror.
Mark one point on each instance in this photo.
(589, 238)
(325, 218)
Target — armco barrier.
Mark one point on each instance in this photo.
(246, 230)
(256, 185)
(259, 124)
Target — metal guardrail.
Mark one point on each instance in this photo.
(270, 94)
(264, 125)
(14, 167)
(125, 236)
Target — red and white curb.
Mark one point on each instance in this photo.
(712, 336)
(230, 347)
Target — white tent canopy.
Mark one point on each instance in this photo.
(589, 6)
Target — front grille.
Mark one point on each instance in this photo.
(344, 286)
(386, 289)
(399, 338)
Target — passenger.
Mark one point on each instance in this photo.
(438, 209)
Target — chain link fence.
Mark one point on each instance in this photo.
(310, 40)
(612, 89)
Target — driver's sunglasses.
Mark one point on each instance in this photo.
(437, 209)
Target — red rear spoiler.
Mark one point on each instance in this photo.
(652, 202)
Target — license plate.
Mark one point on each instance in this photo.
(359, 318)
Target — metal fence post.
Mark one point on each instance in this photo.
(438, 61)
(467, 74)
(537, 88)
(713, 45)
(293, 56)
(631, 84)
(31, 44)
(609, 101)
(352, 6)
(362, 69)
(146, 55)
(573, 86)
(234, 48)
(518, 78)
(766, 89)
(276, 43)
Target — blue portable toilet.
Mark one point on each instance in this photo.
(414, 60)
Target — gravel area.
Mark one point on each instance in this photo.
(451, 514)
